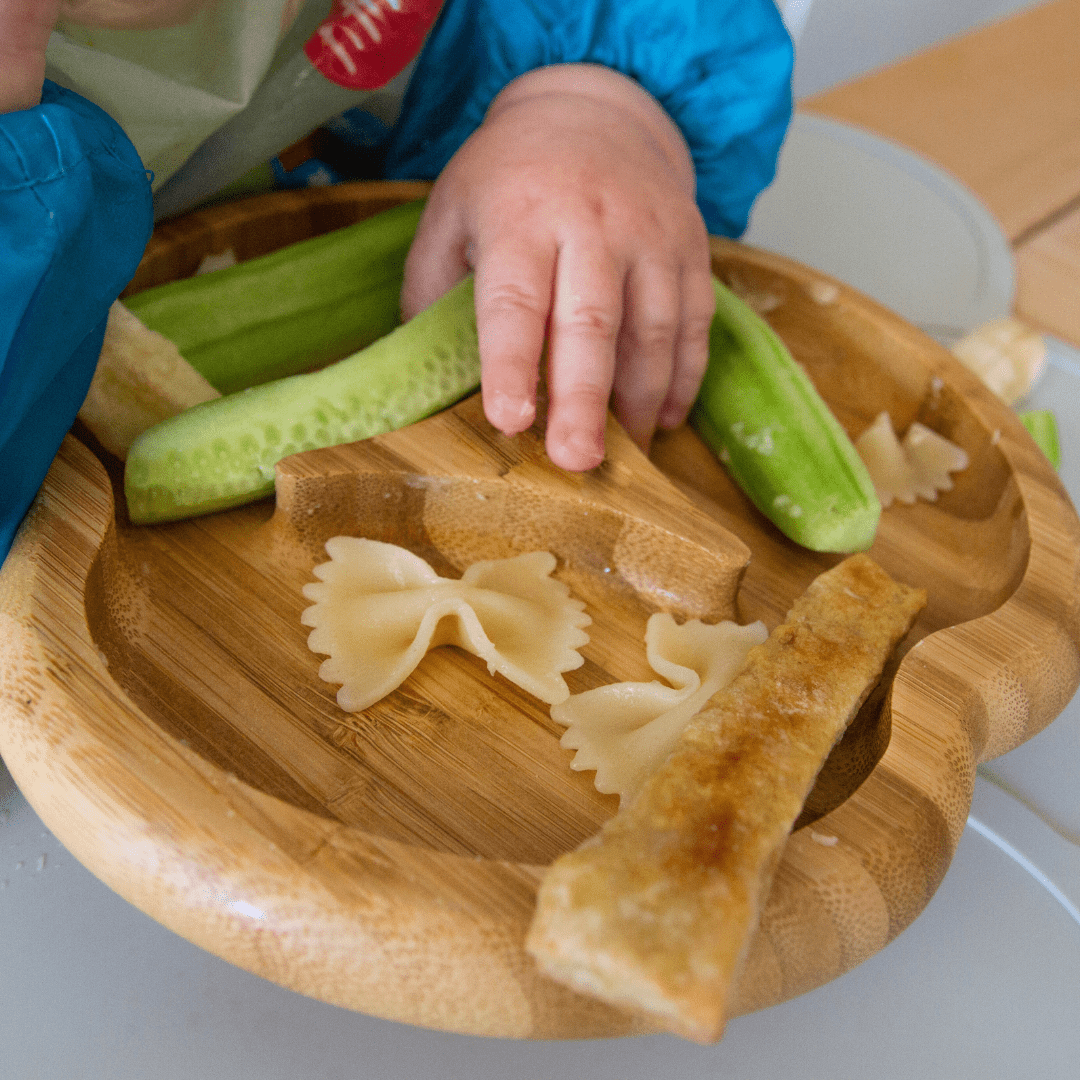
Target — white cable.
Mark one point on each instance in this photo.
(1025, 863)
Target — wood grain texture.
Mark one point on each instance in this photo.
(159, 709)
(999, 108)
(1048, 276)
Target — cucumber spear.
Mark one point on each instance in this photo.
(222, 453)
(760, 414)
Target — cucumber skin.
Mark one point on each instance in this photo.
(1042, 426)
(790, 451)
(295, 309)
(222, 454)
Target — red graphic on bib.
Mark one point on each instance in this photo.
(363, 44)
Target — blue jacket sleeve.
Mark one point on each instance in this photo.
(75, 215)
(721, 69)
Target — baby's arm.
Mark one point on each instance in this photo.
(24, 32)
(75, 215)
(574, 204)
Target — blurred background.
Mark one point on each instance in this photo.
(839, 39)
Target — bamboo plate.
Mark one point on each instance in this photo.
(160, 710)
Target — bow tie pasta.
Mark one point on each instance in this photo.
(918, 467)
(625, 730)
(378, 609)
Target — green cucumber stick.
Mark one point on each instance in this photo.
(222, 453)
(1042, 427)
(301, 306)
(759, 412)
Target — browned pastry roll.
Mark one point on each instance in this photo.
(655, 912)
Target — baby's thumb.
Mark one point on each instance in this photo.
(435, 264)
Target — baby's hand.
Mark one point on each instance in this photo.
(574, 205)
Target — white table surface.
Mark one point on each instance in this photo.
(983, 986)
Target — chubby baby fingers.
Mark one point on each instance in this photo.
(513, 287)
(585, 323)
(646, 351)
(692, 346)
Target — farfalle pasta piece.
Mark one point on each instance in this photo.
(933, 457)
(1006, 354)
(625, 730)
(886, 462)
(918, 467)
(379, 608)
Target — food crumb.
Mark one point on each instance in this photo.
(763, 302)
(217, 261)
(760, 300)
(823, 839)
(996, 437)
(823, 292)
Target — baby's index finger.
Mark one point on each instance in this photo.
(513, 285)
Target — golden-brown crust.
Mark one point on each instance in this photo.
(655, 913)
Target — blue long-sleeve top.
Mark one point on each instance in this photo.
(75, 203)
(75, 215)
(720, 68)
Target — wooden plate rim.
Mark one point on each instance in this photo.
(486, 983)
